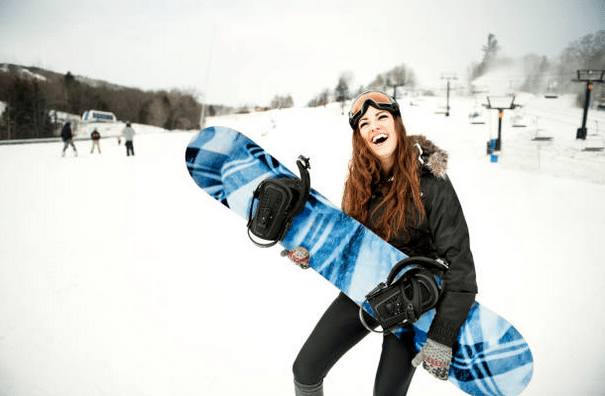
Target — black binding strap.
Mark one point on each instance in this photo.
(401, 300)
(279, 201)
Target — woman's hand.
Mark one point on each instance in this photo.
(435, 358)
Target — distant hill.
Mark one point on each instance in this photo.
(37, 73)
(32, 93)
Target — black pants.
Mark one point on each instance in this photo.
(129, 148)
(338, 330)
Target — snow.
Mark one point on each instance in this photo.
(119, 276)
(32, 75)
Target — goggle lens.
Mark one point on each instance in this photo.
(376, 96)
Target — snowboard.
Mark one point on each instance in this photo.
(490, 356)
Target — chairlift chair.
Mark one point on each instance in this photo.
(519, 119)
(593, 142)
(476, 116)
(541, 135)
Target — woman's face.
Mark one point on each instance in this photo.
(377, 128)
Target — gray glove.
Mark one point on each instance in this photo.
(299, 256)
(435, 358)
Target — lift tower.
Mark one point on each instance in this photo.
(590, 77)
(500, 103)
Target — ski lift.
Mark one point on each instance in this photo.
(594, 141)
(442, 110)
(551, 91)
(476, 116)
(500, 103)
(542, 136)
(590, 77)
(539, 134)
(519, 119)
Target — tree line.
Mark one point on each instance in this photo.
(543, 75)
(396, 78)
(32, 96)
(539, 74)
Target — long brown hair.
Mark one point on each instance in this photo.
(402, 203)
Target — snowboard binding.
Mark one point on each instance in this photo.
(402, 300)
(279, 201)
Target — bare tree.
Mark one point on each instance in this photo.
(399, 76)
(341, 92)
(282, 102)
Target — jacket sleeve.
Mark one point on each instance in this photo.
(451, 240)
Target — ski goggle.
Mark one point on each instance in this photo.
(376, 99)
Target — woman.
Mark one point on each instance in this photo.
(398, 187)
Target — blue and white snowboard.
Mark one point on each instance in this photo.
(490, 357)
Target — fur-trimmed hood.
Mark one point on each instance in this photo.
(431, 157)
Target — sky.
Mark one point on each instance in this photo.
(239, 52)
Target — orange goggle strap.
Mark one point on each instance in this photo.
(377, 99)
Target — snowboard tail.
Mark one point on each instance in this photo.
(490, 356)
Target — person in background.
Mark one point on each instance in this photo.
(128, 134)
(398, 187)
(96, 137)
(68, 139)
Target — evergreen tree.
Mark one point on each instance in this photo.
(27, 112)
(490, 55)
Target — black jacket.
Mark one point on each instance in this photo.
(443, 233)
(66, 133)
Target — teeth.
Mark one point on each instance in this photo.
(379, 138)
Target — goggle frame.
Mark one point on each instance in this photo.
(391, 106)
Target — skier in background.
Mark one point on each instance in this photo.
(68, 139)
(96, 137)
(398, 187)
(128, 133)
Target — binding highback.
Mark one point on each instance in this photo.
(278, 201)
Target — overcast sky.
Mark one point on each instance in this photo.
(245, 51)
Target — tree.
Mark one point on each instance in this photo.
(282, 102)
(341, 92)
(491, 49)
(537, 73)
(156, 110)
(588, 52)
(27, 112)
(398, 76)
(320, 100)
(490, 55)
(185, 112)
(65, 92)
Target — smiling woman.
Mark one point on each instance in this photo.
(397, 186)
